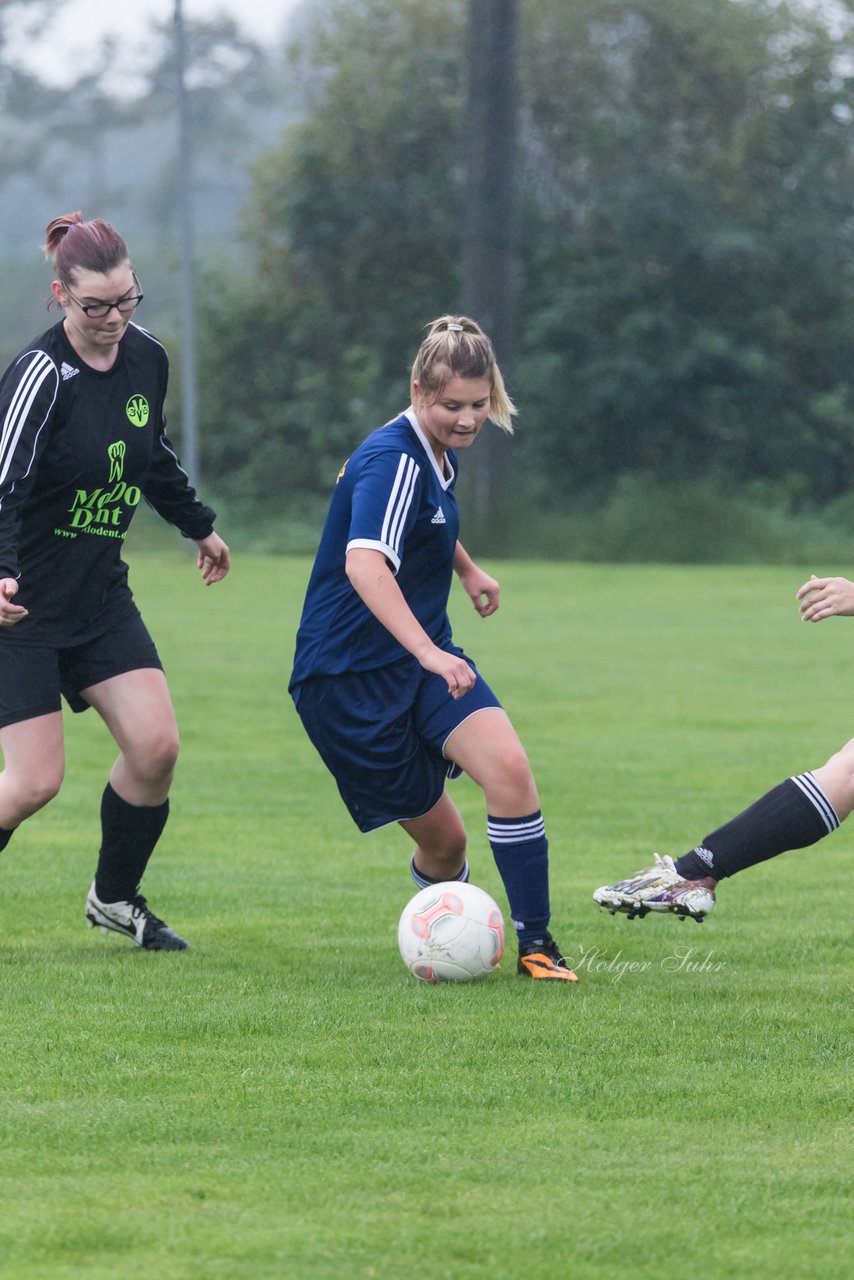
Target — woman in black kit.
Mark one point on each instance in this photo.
(82, 441)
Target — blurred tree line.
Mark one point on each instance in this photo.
(100, 134)
(683, 265)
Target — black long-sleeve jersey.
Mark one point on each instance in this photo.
(79, 449)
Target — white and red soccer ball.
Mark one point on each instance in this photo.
(451, 932)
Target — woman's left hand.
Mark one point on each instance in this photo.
(825, 597)
(213, 560)
(482, 589)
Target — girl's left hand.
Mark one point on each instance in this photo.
(482, 589)
(823, 597)
(213, 560)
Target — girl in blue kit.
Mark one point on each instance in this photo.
(392, 705)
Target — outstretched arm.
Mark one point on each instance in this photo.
(825, 597)
(374, 582)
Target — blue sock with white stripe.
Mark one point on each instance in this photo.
(424, 882)
(521, 853)
(792, 815)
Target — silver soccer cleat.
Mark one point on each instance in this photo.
(135, 921)
(658, 888)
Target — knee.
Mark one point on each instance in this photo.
(452, 850)
(164, 755)
(37, 790)
(154, 761)
(512, 780)
(449, 848)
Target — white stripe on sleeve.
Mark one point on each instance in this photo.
(39, 369)
(400, 501)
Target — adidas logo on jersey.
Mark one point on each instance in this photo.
(68, 371)
(439, 517)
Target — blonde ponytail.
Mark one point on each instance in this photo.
(457, 347)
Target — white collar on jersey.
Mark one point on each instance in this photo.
(444, 480)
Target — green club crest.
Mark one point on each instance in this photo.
(137, 410)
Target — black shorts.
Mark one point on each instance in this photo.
(32, 677)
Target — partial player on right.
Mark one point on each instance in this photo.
(796, 813)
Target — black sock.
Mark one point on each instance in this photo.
(5, 837)
(129, 834)
(792, 815)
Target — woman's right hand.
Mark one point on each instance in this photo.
(10, 613)
(454, 670)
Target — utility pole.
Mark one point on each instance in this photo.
(184, 188)
(489, 236)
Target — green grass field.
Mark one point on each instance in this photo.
(283, 1100)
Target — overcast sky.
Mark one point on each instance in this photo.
(69, 45)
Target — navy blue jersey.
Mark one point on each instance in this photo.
(79, 449)
(392, 496)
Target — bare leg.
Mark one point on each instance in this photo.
(34, 756)
(836, 779)
(487, 747)
(137, 710)
(440, 840)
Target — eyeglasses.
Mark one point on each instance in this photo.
(97, 310)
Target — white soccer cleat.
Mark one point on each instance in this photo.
(135, 921)
(659, 888)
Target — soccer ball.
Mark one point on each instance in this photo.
(451, 932)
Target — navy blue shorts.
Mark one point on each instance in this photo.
(32, 676)
(381, 735)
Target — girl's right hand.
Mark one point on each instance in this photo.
(10, 613)
(454, 670)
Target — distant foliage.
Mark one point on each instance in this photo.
(685, 249)
(685, 257)
(355, 224)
